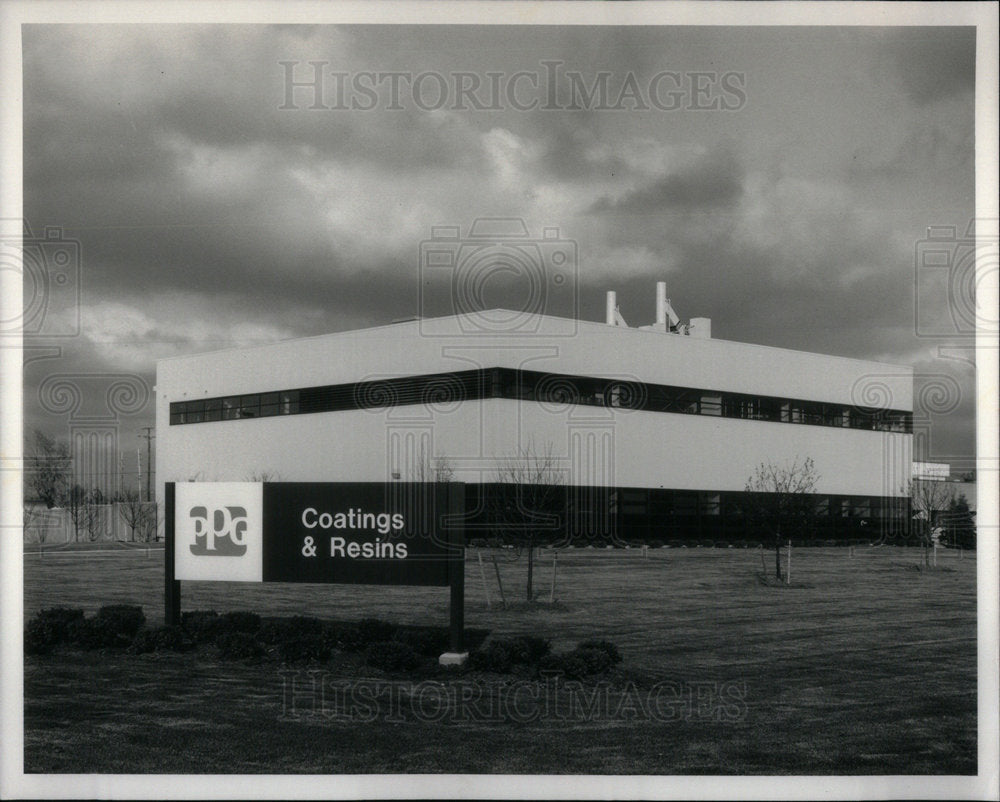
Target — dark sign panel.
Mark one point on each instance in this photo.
(361, 533)
(346, 532)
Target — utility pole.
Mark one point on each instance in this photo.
(149, 437)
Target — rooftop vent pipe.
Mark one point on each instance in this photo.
(661, 305)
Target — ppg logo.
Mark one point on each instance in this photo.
(223, 534)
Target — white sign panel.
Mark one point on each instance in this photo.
(218, 530)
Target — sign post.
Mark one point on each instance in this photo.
(365, 533)
(452, 523)
(171, 585)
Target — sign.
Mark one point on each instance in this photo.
(219, 531)
(348, 532)
(400, 533)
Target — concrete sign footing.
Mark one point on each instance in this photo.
(453, 658)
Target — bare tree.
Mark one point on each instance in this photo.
(262, 476)
(94, 516)
(81, 509)
(782, 500)
(527, 505)
(30, 515)
(150, 523)
(133, 510)
(47, 468)
(432, 469)
(928, 500)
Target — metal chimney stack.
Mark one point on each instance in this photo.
(610, 306)
(661, 305)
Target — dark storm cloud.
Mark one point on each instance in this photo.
(715, 180)
(209, 218)
(932, 63)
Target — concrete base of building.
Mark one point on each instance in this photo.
(453, 658)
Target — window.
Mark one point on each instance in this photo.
(685, 401)
(526, 385)
(194, 411)
(289, 404)
(741, 406)
(250, 406)
(710, 504)
(836, 415)
(268, 404)
(711, 405)
(770, 409)
(685, 503)
(791, 412)
(230, 408)
(213, 409)
(812, 412)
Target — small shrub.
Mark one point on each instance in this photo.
(374, 630)
(354, 637)
(494, 656)
(200, 625)
(297, 638)
(304, 647)
(125, 619)
(346, 637)
(391, 655)
(605, 646)
(169, 638)
(596, 660)
(236, 645)
(528, 648)
(587, 659)
(99, 633)
(238, 622)
(49, 628)
(572, 665)
(426, 641)
(40, 636)
(277, 630)
(61, 618)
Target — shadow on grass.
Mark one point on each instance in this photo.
(771, 581)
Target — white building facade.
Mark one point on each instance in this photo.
(654, 434)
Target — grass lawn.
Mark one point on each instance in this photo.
(864, 665)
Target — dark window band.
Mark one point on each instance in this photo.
(446, 389)
(718, 516)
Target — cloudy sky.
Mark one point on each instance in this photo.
(780, 180)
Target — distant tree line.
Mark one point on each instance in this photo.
(48, 481)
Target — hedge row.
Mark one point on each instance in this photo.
(590, 657)
(237, 635)
(114, 625)
(246, 636)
